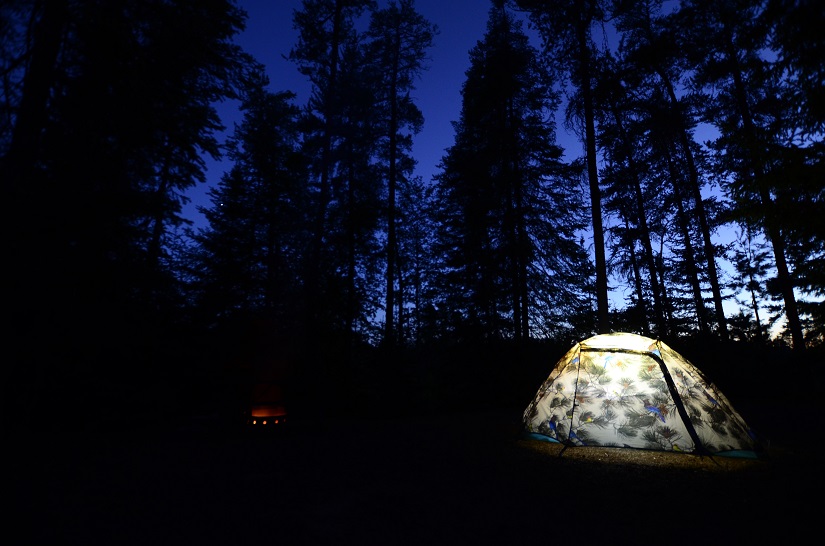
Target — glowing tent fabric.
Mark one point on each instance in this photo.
(627, 390)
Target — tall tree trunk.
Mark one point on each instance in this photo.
(701, 214)
(351, 297)
(514, 226)
(644, 230)
(314, 273)
(752, 285)
(637, 282)
(644, 238)
(21, 156)
(602, 315)
(660, 268)
(771, 225)
(392, 182)
(692, 273)
(523, 245)
(518, 263)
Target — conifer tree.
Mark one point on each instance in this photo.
(400, 38)
(627, 178)
(330, 53)
(727, 43)
(650, 48)
(566, 30)
(512, 264)
(107, 114)
(250, 255)
(750, 258)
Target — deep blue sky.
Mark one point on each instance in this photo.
(269, 36)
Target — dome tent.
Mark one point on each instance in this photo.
(627, 390)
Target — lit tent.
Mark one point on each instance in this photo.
(627, 390)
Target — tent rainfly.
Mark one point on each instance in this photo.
(627, 390)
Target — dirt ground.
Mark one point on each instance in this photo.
(455, 479)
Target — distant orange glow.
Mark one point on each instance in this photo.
(268, 411)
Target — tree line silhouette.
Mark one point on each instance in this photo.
(326, 255)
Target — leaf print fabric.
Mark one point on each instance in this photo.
(625, 390)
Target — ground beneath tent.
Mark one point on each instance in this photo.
(450, 479)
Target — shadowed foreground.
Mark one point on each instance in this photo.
(449, 480)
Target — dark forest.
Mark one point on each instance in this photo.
(362, 287)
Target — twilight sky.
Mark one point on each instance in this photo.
(269, 36)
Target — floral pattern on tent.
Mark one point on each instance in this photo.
(626, 390)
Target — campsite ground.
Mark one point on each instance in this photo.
(455, 478)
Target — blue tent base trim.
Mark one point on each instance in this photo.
(733, 454)
(738, 454)
(540, 437)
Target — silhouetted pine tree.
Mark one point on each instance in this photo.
(750, 257)
(651, 48)
(107, 113)
(628, 189)
(509, 210)
(566, 27)
(728, 45)
(329, 53)
(399, 40)
(250, 256)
